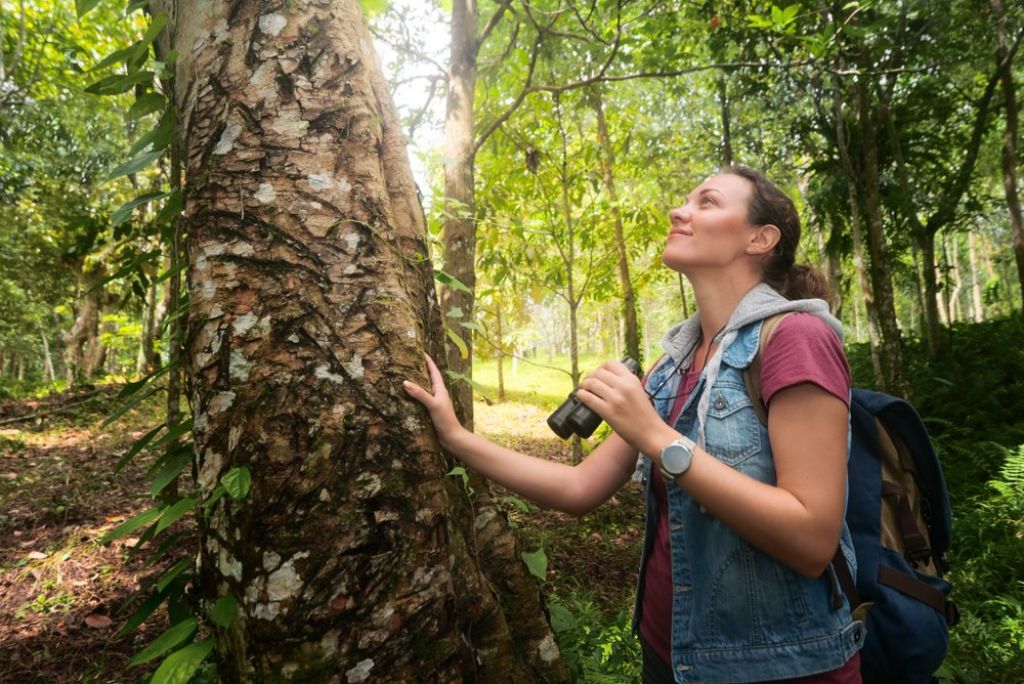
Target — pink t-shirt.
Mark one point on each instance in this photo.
(803, 348)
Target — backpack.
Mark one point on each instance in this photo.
(899, 517)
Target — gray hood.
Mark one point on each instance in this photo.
(759, 303)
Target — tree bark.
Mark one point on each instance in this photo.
(890, 343)
(631, 331)
(859, 263)
(459, 233)
(353, 557)
(1009, 150)
(972, 255)
(47, 358)
(501, 349)
(80, 339)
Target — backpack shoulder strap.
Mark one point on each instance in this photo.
(752, 374)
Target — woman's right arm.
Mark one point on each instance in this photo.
(572, 489)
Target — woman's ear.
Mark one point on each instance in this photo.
(764, 239)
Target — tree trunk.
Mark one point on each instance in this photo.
(353, 557)
(501, 351)
(958, 281)
(723, 103)
(890, 344)
(47, 358)
(1009, 152)
(85, 327)
(459, 235)
(972, 255)
(859, 263)
(631, 330)
(147, 360)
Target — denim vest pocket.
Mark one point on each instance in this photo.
(732, 426)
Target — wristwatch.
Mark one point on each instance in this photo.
(676, 457)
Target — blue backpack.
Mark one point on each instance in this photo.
(899, 517)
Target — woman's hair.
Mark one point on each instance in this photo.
(767, 205)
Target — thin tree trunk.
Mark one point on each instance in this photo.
(958, 281)
(459, 233)
(890, 345)
(1009, 150)
(972, 255)
(146, 361)
(353, 557)
(630, 328)
(859, 263)
(47, 358)
(501, 351)
(723, 105)
(942, 276)
(85, 327)
(682, 296)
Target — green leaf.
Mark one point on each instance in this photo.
(179, 667)
(122, 55)
(450, 281)
(536, 563)
(124, 212)
(173, 572)
(129, 526)
(562, 619)
(172, 207)
(115, 84)
(147, 103)
(159, 138)
(155, 26)
(137, 164)
(224, 611)
(180, 460)
(165, 642)
(215, 496)
(141, 613)
(374, 7)
(174, 513)
(83, 7)
(139, 445)
(237, 482)
(174, 433)
(457, 341)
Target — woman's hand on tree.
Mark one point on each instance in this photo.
(437, 402)
(619, 397)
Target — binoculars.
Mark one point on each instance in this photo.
(574, 417)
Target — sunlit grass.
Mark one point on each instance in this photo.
(537, 381)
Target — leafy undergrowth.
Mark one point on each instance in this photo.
(63, 596)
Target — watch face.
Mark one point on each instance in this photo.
(675, 458)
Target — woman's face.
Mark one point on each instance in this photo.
(710, 230)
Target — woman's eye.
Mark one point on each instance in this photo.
(707, 200)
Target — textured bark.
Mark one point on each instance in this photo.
(47, 359)
(353, 557)
(859, 263)
(631, 331)
(459, 234)
(978, 308)
(890, 344)
(80, 341)
(1009, 152)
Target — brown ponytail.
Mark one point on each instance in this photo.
(769, 205)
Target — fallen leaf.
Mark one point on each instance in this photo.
(37, 555)
(97, 621)
(10, 476)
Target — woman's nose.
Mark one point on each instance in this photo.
(680, 214)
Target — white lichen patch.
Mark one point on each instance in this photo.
(293, 338)
(411, 424)
(324, 373)
(411, 334)
(228, 565)
(265, 194)
(244, 323)
(350, 269)
(548, 649)
(220, 31)
(353, 241)
(227, 138)
(199, 423)
(272, 24)
(233, 434)
(385, 516)
(354, 366)
(325, 496)
(320, 181)
(220, 402)
(284, 583)
(329, 642)
(361, 672)
(238, 365)
(239, 248)
(288, 670)
(290, 128)
(484, 518)
(210, 471)
(201, 263)
(369, 485)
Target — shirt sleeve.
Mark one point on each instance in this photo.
(804, 348)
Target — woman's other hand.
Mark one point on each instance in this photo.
(619, 397)
(437, 402)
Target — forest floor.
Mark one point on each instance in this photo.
(64, 595)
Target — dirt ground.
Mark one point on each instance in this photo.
(64, 595)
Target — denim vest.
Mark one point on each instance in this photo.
(738, 615)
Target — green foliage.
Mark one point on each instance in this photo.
(536, 562)
(597, 649)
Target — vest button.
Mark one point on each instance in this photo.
(720, 402)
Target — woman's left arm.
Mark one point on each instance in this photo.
(798, 520)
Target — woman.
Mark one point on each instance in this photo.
(743, 518)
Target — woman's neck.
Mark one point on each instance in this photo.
(717, 298)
